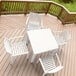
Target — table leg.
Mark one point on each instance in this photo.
(33, 58)
(27, 40)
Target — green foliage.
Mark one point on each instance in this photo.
(40, 7)
(66, 1)
(70, 6)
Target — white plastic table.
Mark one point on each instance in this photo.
(41, 40)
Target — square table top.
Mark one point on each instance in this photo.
(42, 40)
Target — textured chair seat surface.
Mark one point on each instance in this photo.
(19, 48)
(48, 63)
(60, 40)
(32, 26)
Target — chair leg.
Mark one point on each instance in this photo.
(43, 74)
(27, 41)
(37, 61)
(62, 48)
(53, 74)
(11, 61)
(27, 56)
(33, 58)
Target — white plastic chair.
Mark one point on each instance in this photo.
(63, 37)
(15, 46)
(50, 64)
(33, 21)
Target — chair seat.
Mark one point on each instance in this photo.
(48, 63)
(32, 26)
(19, 48)
(60, 41)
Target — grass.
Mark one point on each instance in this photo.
(70, 6)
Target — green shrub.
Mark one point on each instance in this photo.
(71, 6)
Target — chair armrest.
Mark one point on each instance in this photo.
(27, 19)
(42, 64)
(58, 59)
(41, 23)
(56, 33)
(16, 37)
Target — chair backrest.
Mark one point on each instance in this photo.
(33, 20)
(7, 45)
(34, 16)
(65, 35)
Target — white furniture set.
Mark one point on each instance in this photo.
(41, 40)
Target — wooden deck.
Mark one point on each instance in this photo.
(14, 25)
